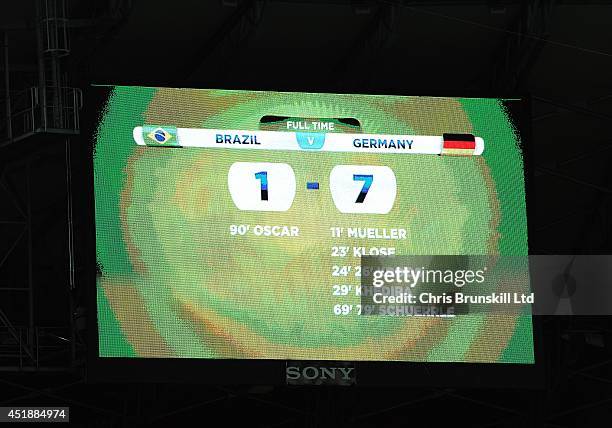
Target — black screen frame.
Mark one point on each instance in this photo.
(272, 372)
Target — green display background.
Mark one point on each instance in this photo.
(455, 203)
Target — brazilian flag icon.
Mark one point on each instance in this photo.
(155, 135)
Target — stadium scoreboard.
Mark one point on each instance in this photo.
(232, 224)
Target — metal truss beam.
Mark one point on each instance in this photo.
(37, 393)
(424, 398)
(599, 215)
(521, 50)
(575, 180)
(234, 31)
(190, 407)
(39, 349)
(369, 43)
(575, 108)
(430, 3)
(263, 401)
(52, 395)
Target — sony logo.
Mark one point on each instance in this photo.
(319, 373)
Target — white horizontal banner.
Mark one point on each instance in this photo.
(304, 141)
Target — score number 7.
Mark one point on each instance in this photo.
(367, 182)
(354, 191)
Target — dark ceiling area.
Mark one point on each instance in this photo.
(557, 55)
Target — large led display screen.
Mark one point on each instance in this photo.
(231, 224)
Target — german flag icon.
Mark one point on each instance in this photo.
(458, 145)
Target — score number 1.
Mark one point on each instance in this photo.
(263, 186)
(263, 177)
